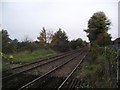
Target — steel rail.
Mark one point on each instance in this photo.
(38, 61)
(71, 73)
(54, 69)
(12, 75)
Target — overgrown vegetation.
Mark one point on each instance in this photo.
(26, 57)
(47, 45)
(99, 69)
(57, 41)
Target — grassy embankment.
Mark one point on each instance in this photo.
(26, 57)
(99, 69)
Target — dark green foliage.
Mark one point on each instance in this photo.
(73, 44)
(62, 46)
(5, 40)
(98, 25)
(7, 46)
(60, 41)
(23, 45)
(31, 46)
(13, 46)
(111, 57)
(103, 39)
(76, 43)
(94, 68)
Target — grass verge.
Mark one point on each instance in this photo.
(94, 70)
(26, 57)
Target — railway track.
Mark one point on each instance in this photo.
(18, 79)
(11, 71)
(71, 82)
(51, 78)
(23, 68)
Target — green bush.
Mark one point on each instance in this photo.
(94, 72)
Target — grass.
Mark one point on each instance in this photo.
(5, 65)
(26, 57)
(93, 69)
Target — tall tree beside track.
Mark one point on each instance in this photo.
(5, 41)
(45, 37)
(98, 26)
(12, 46)
(60, 41)
(42, 37)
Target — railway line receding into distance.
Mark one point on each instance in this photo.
(54, 73)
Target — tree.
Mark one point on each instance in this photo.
(5, 41)
(76, 43)
(103, 39)
(98, 26)
(8, 45)
(80, 42)
(14, 45)
(42, 37)
(60, 41)
(73, 44)
(45, 37)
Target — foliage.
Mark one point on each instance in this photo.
(24, 45)
(14, 46)
(33, 46)
(57, 41)
(7, 45)
(42, 37)
(27, 56)
(103, 39)
(60, 41)
(98, 25)
(45, 37)
(94, 67)
(5, 40)
(111, 57)
(73, 44)
(76, 43)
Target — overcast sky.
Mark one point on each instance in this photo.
(27, 17)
